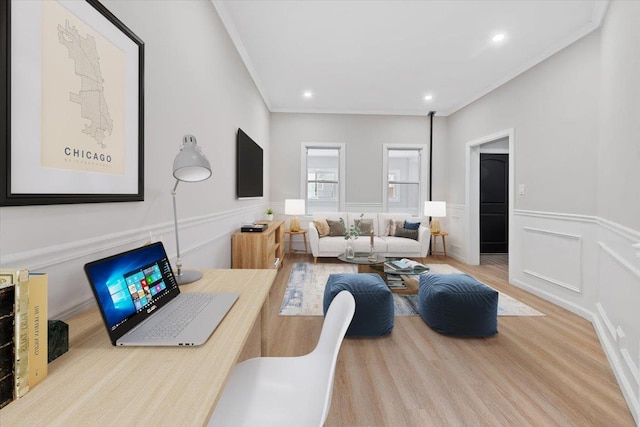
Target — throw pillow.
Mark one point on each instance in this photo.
(322, 226)
(335, 228)
(387, 227)
(366, 226)
(411, 225)
(403, 232)
(391, 227)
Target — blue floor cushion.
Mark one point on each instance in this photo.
(374, 302)
(457, 304)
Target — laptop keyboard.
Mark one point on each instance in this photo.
(179, 317)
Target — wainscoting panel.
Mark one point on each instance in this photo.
(616, 318)
(553, 257)
(205, 242)
(589, 266)
(454, 224)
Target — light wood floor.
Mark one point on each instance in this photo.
(541, 371)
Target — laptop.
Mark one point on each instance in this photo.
(141, 303)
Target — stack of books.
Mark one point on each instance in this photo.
(398, 271)
(23, 332)
(404, 266)
(394, 281)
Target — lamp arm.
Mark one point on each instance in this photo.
(175, 223)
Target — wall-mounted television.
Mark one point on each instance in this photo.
(249, 167)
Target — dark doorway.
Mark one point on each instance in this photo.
(494, 203)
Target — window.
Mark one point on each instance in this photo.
(321, 184)
(405, 178)
(323, 181)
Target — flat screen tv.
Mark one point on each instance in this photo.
(249, 167)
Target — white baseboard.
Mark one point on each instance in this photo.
(618, 369)
(568, 305)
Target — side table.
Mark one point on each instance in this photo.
(434, 237)
(301, 232)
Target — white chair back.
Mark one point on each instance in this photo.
(336, 322)
(287, 391)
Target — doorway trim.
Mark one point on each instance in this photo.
(472, 192)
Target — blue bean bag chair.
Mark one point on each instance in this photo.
(457, 304)
(374, 302)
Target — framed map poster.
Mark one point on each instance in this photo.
(71, 84)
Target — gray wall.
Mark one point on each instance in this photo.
(618, 204)
(619, 131)
(364, 136)
(195, 82)
(553, 108)
(577, 149)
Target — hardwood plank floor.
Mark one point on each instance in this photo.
(542, 371)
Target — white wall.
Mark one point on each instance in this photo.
(577, 149)
(196, 83)
(555, 121)
(364, 136)
(618, 207)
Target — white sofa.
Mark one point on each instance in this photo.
(391, 246)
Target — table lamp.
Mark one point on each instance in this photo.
(294, 207)
(435, 210)
(190, 165)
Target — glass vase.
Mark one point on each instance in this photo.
(349, 252)
(372, 254)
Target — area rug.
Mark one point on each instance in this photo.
(305, 290)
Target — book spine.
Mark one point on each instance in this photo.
(38, 329)
(7, 336)
(21, 282)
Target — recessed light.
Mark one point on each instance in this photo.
(498, 38)
(428, 97)
(308, 94)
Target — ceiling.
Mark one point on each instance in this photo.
(384, 57)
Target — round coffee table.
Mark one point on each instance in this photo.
(363, 262)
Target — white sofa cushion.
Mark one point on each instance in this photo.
(401, 244)
(332, 245)
(330, 215)
(389, 245)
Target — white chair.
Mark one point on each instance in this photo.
(287, 391)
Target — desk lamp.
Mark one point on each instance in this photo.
(190, 165)
(294, 207)
(435, 210)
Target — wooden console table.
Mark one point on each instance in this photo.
(259, 250)
(97, 384)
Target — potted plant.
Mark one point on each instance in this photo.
(351, 233)
(269, 213)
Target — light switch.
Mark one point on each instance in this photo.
(521, 189)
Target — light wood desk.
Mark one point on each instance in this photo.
(97, 384)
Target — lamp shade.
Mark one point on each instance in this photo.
(294, 207)
(435, 209)
(191, 164)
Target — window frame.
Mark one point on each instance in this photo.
(423, 183)
(341, 147)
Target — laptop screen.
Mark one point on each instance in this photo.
(131, 285)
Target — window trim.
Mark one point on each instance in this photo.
(341, 147)
(424, 176)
